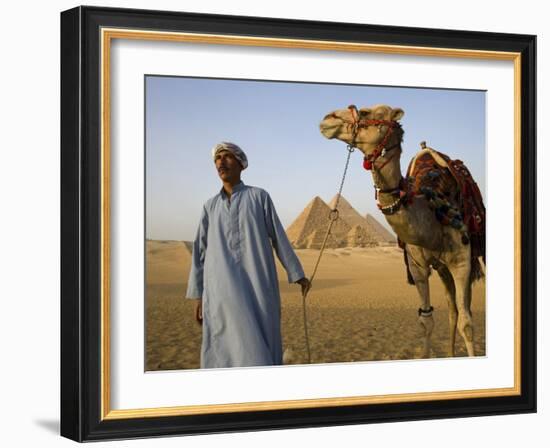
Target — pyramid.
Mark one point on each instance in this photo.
(353, 218)
(315, 218)
(347, 212)
(382, 234)
(317, 237)
(359, 237)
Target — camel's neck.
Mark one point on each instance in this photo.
(386, 171)
(414, 223)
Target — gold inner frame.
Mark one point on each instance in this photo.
(107, 35)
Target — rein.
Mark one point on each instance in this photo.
(333, 217)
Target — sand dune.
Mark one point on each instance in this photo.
(360, 309)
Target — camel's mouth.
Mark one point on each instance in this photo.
(329, 127)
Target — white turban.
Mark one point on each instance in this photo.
(232, 148)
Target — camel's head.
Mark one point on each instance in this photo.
(365, 128)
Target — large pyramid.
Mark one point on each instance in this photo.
(315, 240)
(347, 212)
(309, 228)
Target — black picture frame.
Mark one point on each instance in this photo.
(82, 410)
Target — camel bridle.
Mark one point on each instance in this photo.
(400, 191)
(381, 149)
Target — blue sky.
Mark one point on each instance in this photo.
(277, 125)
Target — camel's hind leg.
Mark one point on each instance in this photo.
(461, 276)
(450, 294)
(420, 275)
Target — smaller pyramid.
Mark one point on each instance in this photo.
(359, 237)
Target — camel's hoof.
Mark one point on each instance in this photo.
(427, 324)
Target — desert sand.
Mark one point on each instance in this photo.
(360, 308)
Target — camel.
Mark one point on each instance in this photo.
(428, 244)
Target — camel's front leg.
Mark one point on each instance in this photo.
(420, 273)
(461, 275)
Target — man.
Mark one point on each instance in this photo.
(233, 275)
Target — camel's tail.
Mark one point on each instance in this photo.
(477, 242)
(410, 278)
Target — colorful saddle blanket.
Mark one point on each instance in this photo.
(453, 195)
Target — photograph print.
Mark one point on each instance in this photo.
(292, 223)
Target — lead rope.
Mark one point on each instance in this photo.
(333, 216)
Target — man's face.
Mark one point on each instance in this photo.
(229, 168)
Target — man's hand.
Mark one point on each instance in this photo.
(305, 284)
(198, 311)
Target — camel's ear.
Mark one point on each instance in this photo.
(397, 114)
(365, 113)
(353, 109)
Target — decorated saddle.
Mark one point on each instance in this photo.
(452, 194)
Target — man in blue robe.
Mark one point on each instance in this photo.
(233, 275)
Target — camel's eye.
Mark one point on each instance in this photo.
(364, 113)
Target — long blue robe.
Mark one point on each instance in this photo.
(233, 271)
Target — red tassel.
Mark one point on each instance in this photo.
(367, 164)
